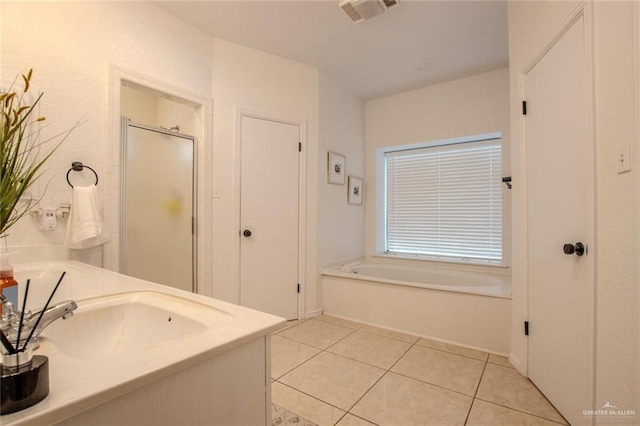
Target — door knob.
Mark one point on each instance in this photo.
(578, 249)
(246, 233)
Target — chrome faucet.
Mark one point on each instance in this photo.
(8, 306)
(11, 320)
(62, 310)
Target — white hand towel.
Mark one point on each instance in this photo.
(85, 228)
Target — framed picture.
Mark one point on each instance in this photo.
(356, 191)
(337, 164)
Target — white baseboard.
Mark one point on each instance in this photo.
(315, 313)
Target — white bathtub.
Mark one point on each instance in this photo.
(466, 308)
(485, 284)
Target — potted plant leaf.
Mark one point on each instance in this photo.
(22, 153)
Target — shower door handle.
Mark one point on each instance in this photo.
(246, 233)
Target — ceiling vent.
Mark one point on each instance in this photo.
(360, 10)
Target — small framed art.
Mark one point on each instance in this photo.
(356, 191)
(336, 168)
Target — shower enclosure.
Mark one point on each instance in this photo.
(158, 205)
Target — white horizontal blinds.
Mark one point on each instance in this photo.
(446, 201)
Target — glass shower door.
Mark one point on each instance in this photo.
(157, 218)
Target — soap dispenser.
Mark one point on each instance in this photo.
(8, 285)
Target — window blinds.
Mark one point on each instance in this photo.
(446, 201)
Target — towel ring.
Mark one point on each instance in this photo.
(77, 166)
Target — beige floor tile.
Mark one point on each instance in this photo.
(288, 354)
(500, 360)
(397, 400)
(389, 333)
(487, 414)
(455, 372)
(506, 387)
(305, 406)
(371, 349)
(454, 349)
(333, 379)
(350, 420)
(316, 333)
(340, 321)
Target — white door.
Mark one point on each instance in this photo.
(559, 208)
(270, 161)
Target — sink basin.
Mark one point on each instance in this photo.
(130, 322)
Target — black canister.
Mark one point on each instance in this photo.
(24, 386)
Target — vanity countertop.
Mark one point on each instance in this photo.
(79, 383)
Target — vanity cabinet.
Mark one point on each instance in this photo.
(140, 353)
(232, 388)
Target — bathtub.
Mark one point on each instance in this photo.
(485, 284)
(466, 308)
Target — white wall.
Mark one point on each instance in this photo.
(70, 46)
(340, 225)
(465, 107)
(530, 25)
(249, 79)
(139, 105)
(617, 277)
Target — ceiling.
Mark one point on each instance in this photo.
(415, 44)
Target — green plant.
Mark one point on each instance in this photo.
(21, 152)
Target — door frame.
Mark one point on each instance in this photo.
(584, 10)
(302, 205)
(118, 76)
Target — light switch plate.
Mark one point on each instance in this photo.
(215, 192)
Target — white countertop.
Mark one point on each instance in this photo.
(79, 384)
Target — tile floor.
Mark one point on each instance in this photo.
(329, 371)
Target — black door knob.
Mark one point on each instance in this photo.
(578, 249)
(246, 233)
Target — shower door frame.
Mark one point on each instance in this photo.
(124, 127)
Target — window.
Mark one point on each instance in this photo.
(445, 202)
